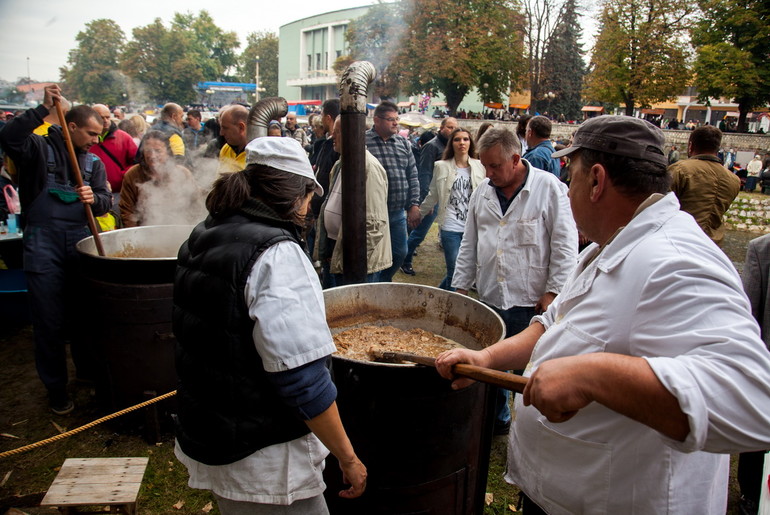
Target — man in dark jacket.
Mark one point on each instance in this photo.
(54, 221)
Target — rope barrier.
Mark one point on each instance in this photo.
(80, 429)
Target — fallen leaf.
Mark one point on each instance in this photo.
(59, 428)
(513, 508)
(208, 507)
(5, 479)
(179, 505)
(9, 435)
(19, 422)
(489, 498)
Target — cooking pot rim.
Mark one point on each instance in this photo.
(79, 246)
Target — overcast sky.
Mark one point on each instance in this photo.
(44, 30)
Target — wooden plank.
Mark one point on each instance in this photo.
(97, 481)
(83, 495)
(102, 479)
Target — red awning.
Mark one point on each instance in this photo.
(405, 104)
(494, 105)
(598, 109)
(653, 111)
(305, 102)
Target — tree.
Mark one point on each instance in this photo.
(376, 37)
(541, 23)
(563, 67)
(453, 46)
(214, 50)
(93, 74)
(640, 57)
(164, 61)
(264, 45)
(731, 41)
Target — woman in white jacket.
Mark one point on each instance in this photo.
(454, 179)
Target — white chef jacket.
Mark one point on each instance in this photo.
(663, 291)
(285, 298)
(516, 257)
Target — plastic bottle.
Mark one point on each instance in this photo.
(3, 228)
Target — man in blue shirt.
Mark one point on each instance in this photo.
(539, 147)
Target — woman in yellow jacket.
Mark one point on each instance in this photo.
(454, 179)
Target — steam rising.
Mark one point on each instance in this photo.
(173, 197)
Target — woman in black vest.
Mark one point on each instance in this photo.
(257, 408)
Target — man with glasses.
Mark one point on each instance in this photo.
(394, 152)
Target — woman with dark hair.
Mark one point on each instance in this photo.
(454, 179)
(158, 190)
(484, 127)
(257, 409)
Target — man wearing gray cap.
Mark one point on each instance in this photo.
(647, 369)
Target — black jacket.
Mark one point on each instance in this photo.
(227, 408)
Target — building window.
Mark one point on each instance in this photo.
(318, 61)
(339, 54)
(309, 62)
(326, 60)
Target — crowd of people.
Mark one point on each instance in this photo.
(648, 364)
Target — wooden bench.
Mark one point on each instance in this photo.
(102, 482)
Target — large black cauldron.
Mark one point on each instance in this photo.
(129, 326)
(425, 445)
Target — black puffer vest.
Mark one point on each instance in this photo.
(227, 408)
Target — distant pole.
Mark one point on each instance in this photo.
(28, 75)
(256, 91)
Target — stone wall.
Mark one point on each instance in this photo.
(749, 213)
(563, 132)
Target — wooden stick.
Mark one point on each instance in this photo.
(78, 177)
(505, 380)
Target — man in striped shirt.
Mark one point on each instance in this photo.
(394, 152)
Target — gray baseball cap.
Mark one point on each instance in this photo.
(620, 135)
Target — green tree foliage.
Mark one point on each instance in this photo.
(453, 46)
(376, 37)
(164, 61)
(731, 40)
(563, 67)
(93, 75)
(213, 49)
(640, 57)
(264, 45)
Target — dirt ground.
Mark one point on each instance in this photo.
(25, 419)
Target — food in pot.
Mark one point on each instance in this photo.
(361, 342)
(129, 251)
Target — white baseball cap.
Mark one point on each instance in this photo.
(282, 154)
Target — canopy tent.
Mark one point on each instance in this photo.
(494, 105)
(594, 109)
(405, 104)
(654, 111)
(416, 119)
(305, 102)
(438, 103)
(519, 106)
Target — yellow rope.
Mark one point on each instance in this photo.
(87, 426)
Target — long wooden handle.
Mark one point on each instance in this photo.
(504, 380)
(78, 176)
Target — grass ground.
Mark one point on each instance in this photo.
(24, 416)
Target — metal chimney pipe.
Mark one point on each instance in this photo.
(260, 115)
(353, 87)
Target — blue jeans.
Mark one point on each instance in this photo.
(397, 221)
(516, 319)
(418, 234)
(370, 278)
(450, 240)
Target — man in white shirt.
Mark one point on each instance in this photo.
(520, 240)
(648, 368)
